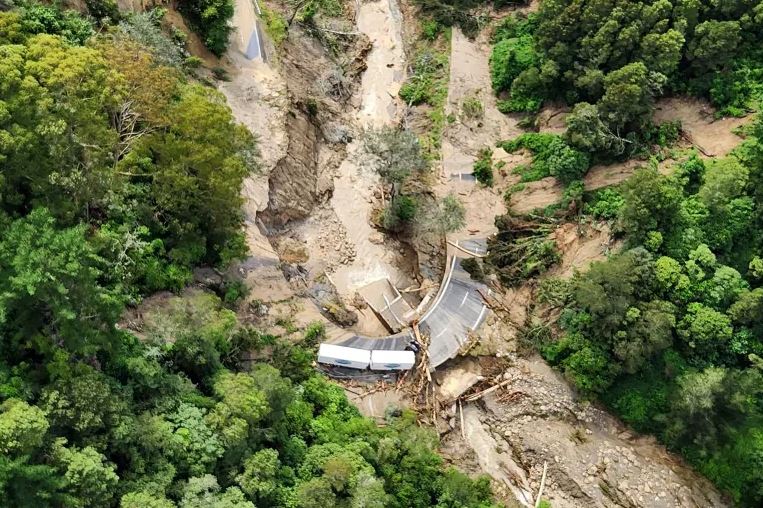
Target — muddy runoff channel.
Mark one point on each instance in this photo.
(310, 205)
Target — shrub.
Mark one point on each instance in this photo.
(427, 82)
(312, 106)
(37, 18)
(431, 29)
(520, 105)
(399, 213)
(144, 28)
(473, 267)
(220, 74)
(209, 18)
(509, 58)
(416, 90)
(192, 62)
(472, 108)
(235, 291)
(514, 26)
(446, 217)
(606, 204)
(483, 168)
(314, 333)
(565, 162)
(275, 25)
(450, 13)
(664, 134)
(573, 194)
(103, 10)
(552, 156)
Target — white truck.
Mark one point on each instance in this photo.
(392, 360)
(342, 356)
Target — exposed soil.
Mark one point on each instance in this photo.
(580, 245)
(552, 118)
(365, 255)
(592, 459)
(194, 45)
(257, 96)
(466, 136)
(323, 200)
(713, 137)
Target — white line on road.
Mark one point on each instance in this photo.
(479, 318)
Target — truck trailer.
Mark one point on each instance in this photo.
(342, 356)
(392, 360)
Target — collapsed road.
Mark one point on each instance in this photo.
(458, 309)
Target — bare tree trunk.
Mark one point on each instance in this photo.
(296, 10)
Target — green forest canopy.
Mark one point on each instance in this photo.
(669, 333)
(611, 59)
(120, 174)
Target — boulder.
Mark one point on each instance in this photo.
(292, 251)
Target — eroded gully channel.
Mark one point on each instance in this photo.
(329, 208)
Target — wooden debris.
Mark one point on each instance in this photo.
(542, 484)
(479, 395)
(494, 303)
(471, 341)
(461, 416)
(423, 390)
(465, 250)
(416, 290)
(688, 137)
(511, 396)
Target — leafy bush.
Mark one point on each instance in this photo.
(209, 18)
(566, 163)
(474, 268)
(513, 66)
(37, 18)
(431, 29)
(483, 167)
(520, 105)
(444, 217)
(144, 28)
(399, 213)
(514, 26)
(664, 134)
(275, 25)
(472, 108)
(220, 73)
(552, 156)
(736, 92)
(510, 57)
(605, 204)
(103, 10)
(452, 13)
(427, 83)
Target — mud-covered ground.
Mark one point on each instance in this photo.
(592, 460)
